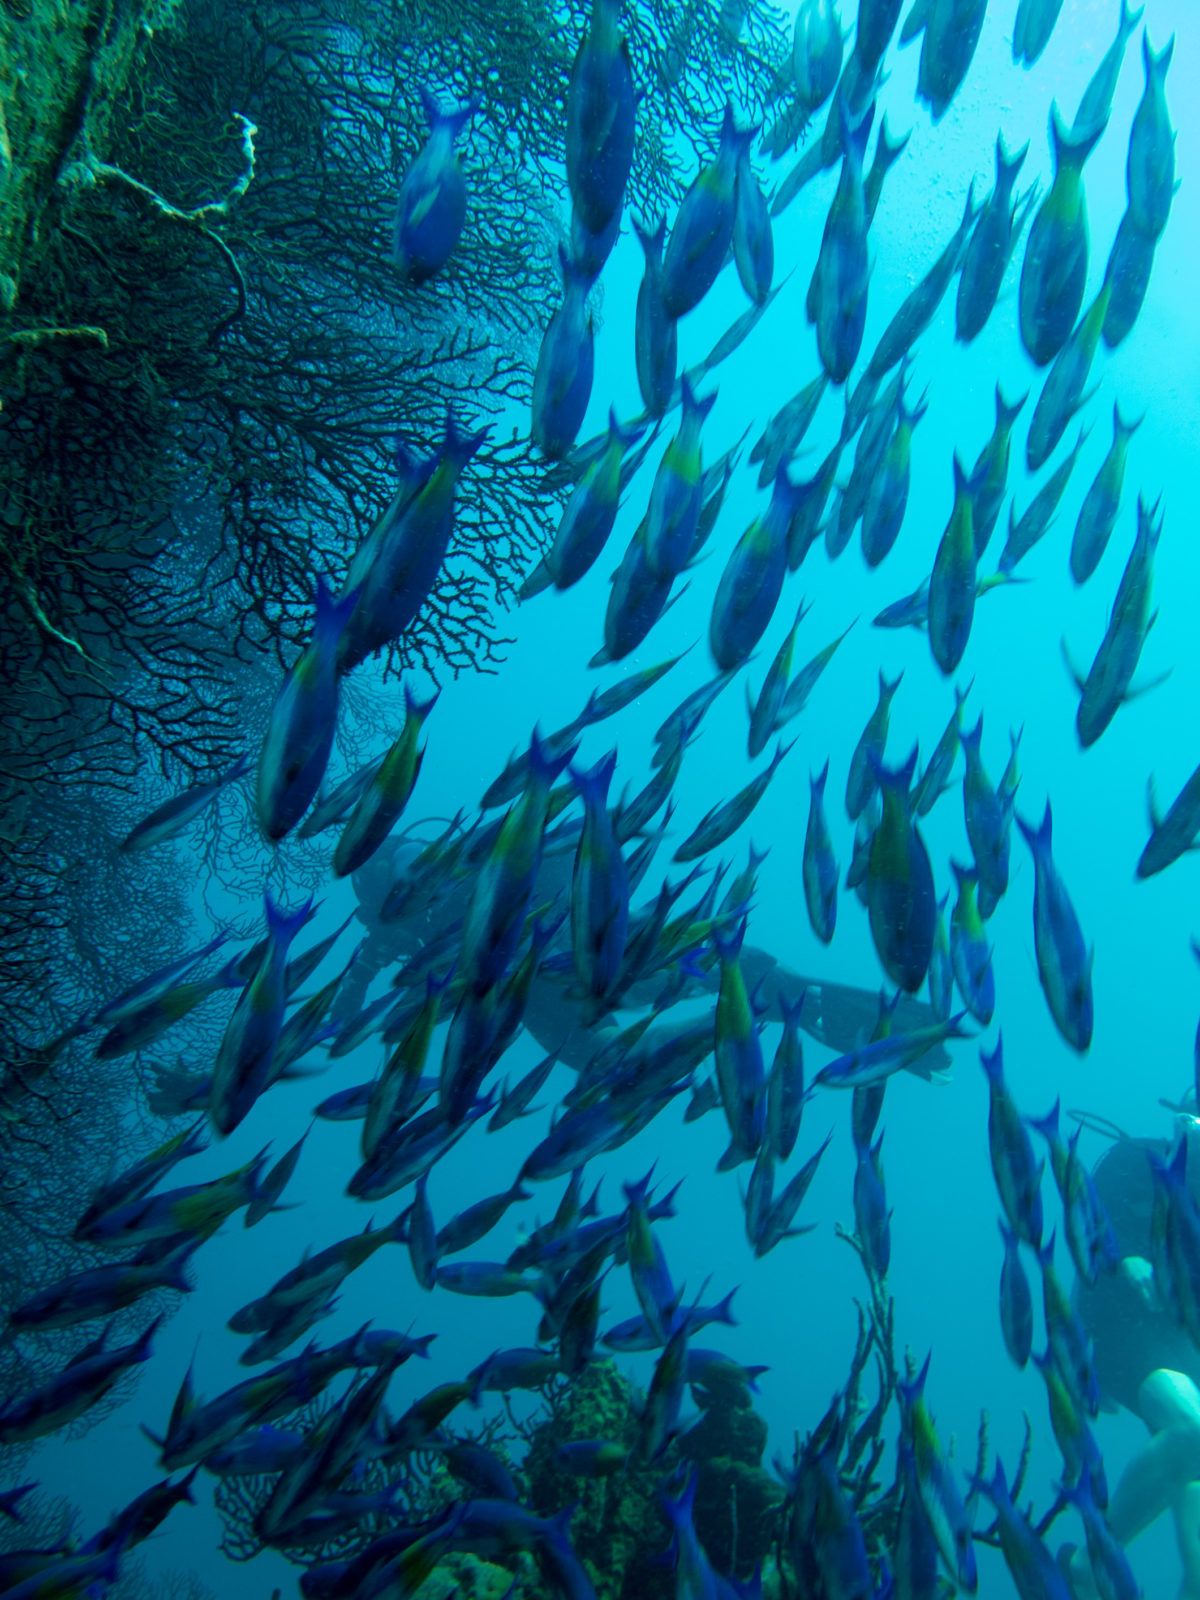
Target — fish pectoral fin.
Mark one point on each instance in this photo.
(1136, 691)
(1078, 677)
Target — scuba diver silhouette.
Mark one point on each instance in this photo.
(1144, 1360)
(837, 1015)
(1132, 1332)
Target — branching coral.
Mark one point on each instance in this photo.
(207, 358)
(177, 470)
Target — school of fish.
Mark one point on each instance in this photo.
(617, 934)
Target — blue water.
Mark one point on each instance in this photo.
(796, 1307)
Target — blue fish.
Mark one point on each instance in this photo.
(73, 1391)
(935, 779)
(1175, 1238)
(871, 1064)
(820, 870)
(100, 1291)
(299, 736)
(1150, 166)
(915, 1550)
(813, 497)
(830, 1528)
(703, 230)
(656, 338)
(817, 54)
(1109, 682)
(177, 813)
(872, 743)
(873, 30)
(259, 1449)
(1080, 1452)
(636, 1334)
(694, 1576)
(952, 29)
(382, 802)
(1130, 262)
(478, 1220)
(872, 1219)
(674, 511)
(587, 518)
(1032, 29)
(658, 1423)
(562, 379)
(433, 195)
(1091, 1238)
(949, 1518)
(587, 1132)
(599, 888)
(941, 966)
(652, 1284)
(137, 1181)
(837, 294)
(753, 245)
(601, 107)
(738, 1051)
(1068, 1343)
(752, 581)
(1054, 271)
(1064, 962)
(1096, 104)
(636, 601)
(990, 249)
(422, 1236)
(887, 496)
(989, 823)
(785, 1086)
(970, 953)
(1063, 391)
(1018, 1176)
(1016, 1301)
(989, 477)
(399, 563)
(1102, 503)
(592, 250)
(242, 1068)
(1171, 836)
(1110, 1565)
(504, 882)
(901, 899)
(489, 1280)
(1034, 1570)
(767, 711)
(591, 1458)
(953, 580)
(777, 1224)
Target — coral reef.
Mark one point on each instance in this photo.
(65, 72)
(618, 1528)
(737, 1500)
(463, 1577)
